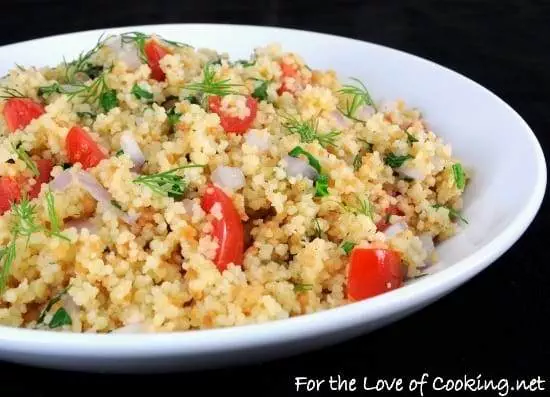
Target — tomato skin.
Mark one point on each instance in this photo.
(383, 224)
(229, 230)
(45, 167)
(82, 149)
(19, 112)
(373, 271)
(232, 123)
(10, 192)
(154, 53)
(287, 71)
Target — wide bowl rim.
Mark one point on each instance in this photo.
(304, 326)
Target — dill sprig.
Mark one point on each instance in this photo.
(308, 130)
(167, 183)
(8, 92)
(359, 96)
(363, 206)
(55, 227)
(7, 257)
(301, 287)
(139, 39)
(210, 86)
(24, 156)
(82, 63)
(24, 223)
(453, 214)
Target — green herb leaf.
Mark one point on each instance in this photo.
(360, 96)
(23, 155)
(193, 100)
(24, 222)
(318, 232)
(7, 256)
(395, 161)
(46, 91)
(116, 204)
(321, 186)
(298, 150)
(141, 93)
(7, 93)
(410, 138)
(66, 166)
(173, 116)
(55, 226)
(453, 214)
(459, 176)
(303, 287)
(108, 100)
(308, 131)
(119, 153)
(167, 183)
(60, 318)
(245, 63)
(82, 64)
(363, 207)
(210, 86)
(260, 92)
(86, 114)
(50, 304)
(358, 159)
(347, 246)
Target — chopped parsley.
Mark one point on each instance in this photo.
(321, 183)
(108, 100)
(395, 161)
(60, 318)
(459, 176)
(141, 93)
(86, 114)
(119, 153)
(245, 63)
(66, 166)
(260, 92)
(50, 304)
(173, 116)
(347, 246)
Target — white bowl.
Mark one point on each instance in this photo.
(505, 194)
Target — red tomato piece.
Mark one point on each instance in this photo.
(82, 149)
(45, 167)
(228, 230)
(287, 71)
(10, 192)
(233, 123)
(19, 112)
(383, 224)
(154, 53)
(373, 271)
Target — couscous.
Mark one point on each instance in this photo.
(150, 186)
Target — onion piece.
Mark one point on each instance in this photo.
(188, 204)
(340, 119)
(428, 246)
(126, 52)
(135, 328)
(257, 138)
(365, 112)
(228, 177)
(411, 172)
(92, 186)
(132, 149)
(395, 229)
(62, 181)
(297, 166)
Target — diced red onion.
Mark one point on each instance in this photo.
(132, 149)
(365, 112)
(70, 305)
(92, 186)
(297, 166)
(126, 52)
(228, 177)
(340, 119)
(62, 181)
(258, 139)
(395, 229)
(135, 328)
(428, 245)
